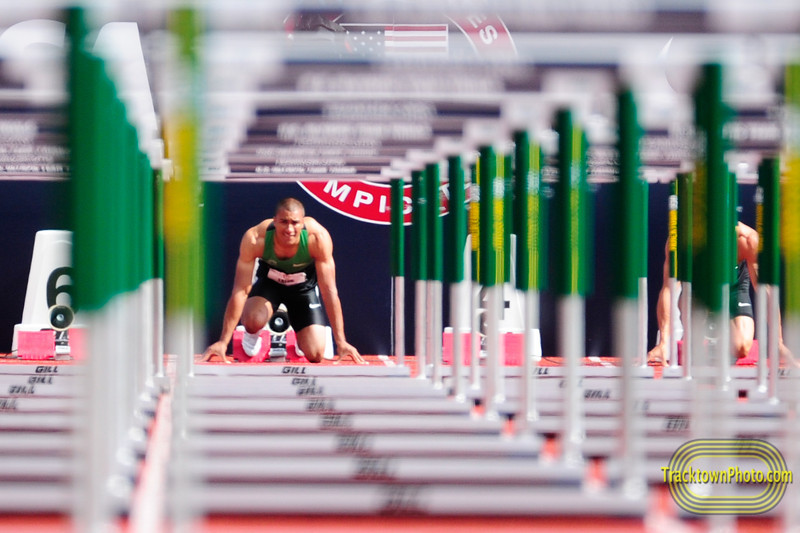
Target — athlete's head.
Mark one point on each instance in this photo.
(290, 204)
(288, 221)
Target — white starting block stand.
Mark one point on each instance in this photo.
(49, 328)
(511, 328)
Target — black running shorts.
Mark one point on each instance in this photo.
(741, 304)
(302, 304)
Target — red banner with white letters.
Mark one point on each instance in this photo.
(363, 200)
(487, 34)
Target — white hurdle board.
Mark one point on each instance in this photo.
(304, 386)
(391, 499)
(363, 444)
(338, 422)
(247, 369)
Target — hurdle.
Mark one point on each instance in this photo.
(456, 246)
(530, 214)
(768, 293)
(630, 210)
(435, 269)
(713, 238)
(114, 266)
(570, 256)
(790, 241)
(684, 258)
(398, 269)
(672, 246)
(419, 254)
(491, 259)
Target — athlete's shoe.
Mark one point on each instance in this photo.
(251, 343)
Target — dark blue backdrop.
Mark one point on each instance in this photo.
(361, 251)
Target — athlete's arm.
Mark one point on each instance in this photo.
(320, 246)
(747, 244)
(250, 249)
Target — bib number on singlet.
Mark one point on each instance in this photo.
(286, 279)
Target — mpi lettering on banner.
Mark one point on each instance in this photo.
(49, 328)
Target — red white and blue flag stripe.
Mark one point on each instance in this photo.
(398, 39)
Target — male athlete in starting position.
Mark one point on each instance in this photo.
(742, 322)
(295, 255)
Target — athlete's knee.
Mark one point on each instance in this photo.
(312, 350)
(253, 323)
(312, 342)
(254, 316)
(313, 357)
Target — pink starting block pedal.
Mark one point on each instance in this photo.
(510, 344)
(41, 345)
(751, 359)
(266, 341)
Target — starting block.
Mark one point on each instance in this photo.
(50, 344)
(49, 327)
(749, 360)
(511, 345)
(287, 342)
(277, 347)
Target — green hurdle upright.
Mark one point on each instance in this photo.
(491, 268)
(112, 218)
(790, 237)
(790, 244)
(672, 260)
(712, 240)
(183, 238)
(474, 233)
(630, 199)
(684, 258)
(713, 270)
(435, 271)
(456, 241)
(397, 217)
(571, 247)
(769, 275)
(419, 254)
(528, 225)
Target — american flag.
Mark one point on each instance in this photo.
(398, 39)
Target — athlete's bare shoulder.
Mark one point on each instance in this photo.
(319, 240)
(252, 244)
(313, 227)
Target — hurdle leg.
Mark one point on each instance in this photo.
(398, 270)
(772, 337)
(761, 335)
(399, 304)
(494, 394)
(528, 413)
(686, 314)
(457, 300)
(420, 334)
(475, 337)
(571, 334)
(183, 513)
(642, 321)
(435, 331)
(672, 352)
(790, 517)
(634, 483)
(723, 352)
(715, 420)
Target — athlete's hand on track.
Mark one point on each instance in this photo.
(218, 348)
(347, 349)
